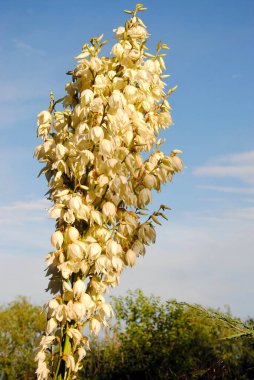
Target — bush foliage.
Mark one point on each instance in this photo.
(155, 340)
(149, 340)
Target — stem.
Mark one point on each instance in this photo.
(61, 366)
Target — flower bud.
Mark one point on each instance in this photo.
(109, 209)
(53, 304)
(87, 301)
(130, 258)
(94, 251)
(40, 356)
(147, 234)
(84, 267)
(130, 93)
(106, 147)
(137, 32)
(72, 234)
(42, 370)
(81, 353)
(113, 248)
(57, 239)
(144, 197)
(177, 163)
(83, 212)
(70, 362)
(79, 288)
(119, 31)
(115, 100)
(138, 248)
(96, 134)
(51, 326)
(60, 313)
(55, 212)
(107, 309)
(96, 217)
(146, 105)
(69, 217)
(102, 264)
(128, 137)
(79, 310)
(134, 54)
(87, 97)
(74, 251)
(44, 117)
(74, 334)
(164, 119)
(94, 326)
(75, 203)
(149, 181)
(60, 151)
(117, 263)
(117, 50)
(95, 64)
(67, 286)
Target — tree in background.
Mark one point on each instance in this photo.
(100, 182)
(149, 339)
(21, 324)
(169, 340)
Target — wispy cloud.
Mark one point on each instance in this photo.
(26, 206)
(25, 227)
(22, 212)
(239, 166)
(228, 189)
(26, 48)
(241, 213)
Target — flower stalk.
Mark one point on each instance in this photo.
(101, 184)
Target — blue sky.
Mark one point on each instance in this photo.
(205, 252)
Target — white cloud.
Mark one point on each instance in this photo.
(25, 227)
(248, 200)
(246, 158)
(34, 205)
(241, 213)
(228, 189)
(24, 211)
(26, 48)
(239, 166)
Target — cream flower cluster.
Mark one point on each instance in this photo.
(100, 184)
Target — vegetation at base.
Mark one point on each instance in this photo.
(150, 340)
(21, 323)
(170, 340)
